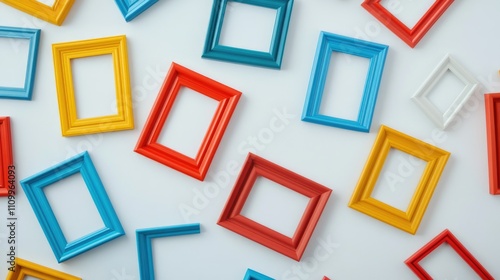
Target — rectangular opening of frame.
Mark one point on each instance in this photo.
(400, 175)
(73, 207)
(287, 206)
(409, 12)
(188, 121)
(94, 86)
(248, 26)
(14, 62)
(445, 91)
(444, 263)
(49, 3)
(344, 86)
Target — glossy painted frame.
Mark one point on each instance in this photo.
(55, 14)
(327, 44)
(411, 36)
(178, 77)
(132, 10)
(271, 59)
(6, 157)
(33, 187)
(144, 246)
(433, 112)
(63, 53)
(292, 247)
(33, 35)
(25, 268)
(254, 275)
(492, 106)
(445, 237)
(410, 219)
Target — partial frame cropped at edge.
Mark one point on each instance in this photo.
(492, 108)
(411, 36)
(178, 77)
(445, 237)
(292, 247)
(327, 44)
(33, 187)
(254, 275)
(63, 53)
(409, 220)
(131, 10)
(6, 158)
(25, 268)
(55, 14)
(33, 35)
(271, 59)
(144, 244)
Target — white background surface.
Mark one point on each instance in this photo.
(145, 193)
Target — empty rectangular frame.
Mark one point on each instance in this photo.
(410, 219)
(445, 237)
(328, 43)
(33, 187)
(178, 77)
(63, 53)
(232, 219)
(33, 35)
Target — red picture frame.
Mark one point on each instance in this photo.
(177, 77)
(410, 36)
(445, 237)
(492, 108)
(231, 218)
(6, 158)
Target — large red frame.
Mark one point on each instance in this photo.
(177, 77)
(231, 218)
(410, 36)
(492, 104)
(5, 155)
(445, 236)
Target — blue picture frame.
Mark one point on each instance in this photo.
(145, 249)
(271, 59)
(33, 35)
(33, 187)
(329, 43)
(130, 9)
(254, 275)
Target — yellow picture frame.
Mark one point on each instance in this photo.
(63, 54)
(25, 268)
(55, 14)
(410, 219)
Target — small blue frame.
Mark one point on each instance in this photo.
(33, 35)
(254, 275)
(33, 187)
(130, 9)
(271, 59)
(329, 43)
(145, 250)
